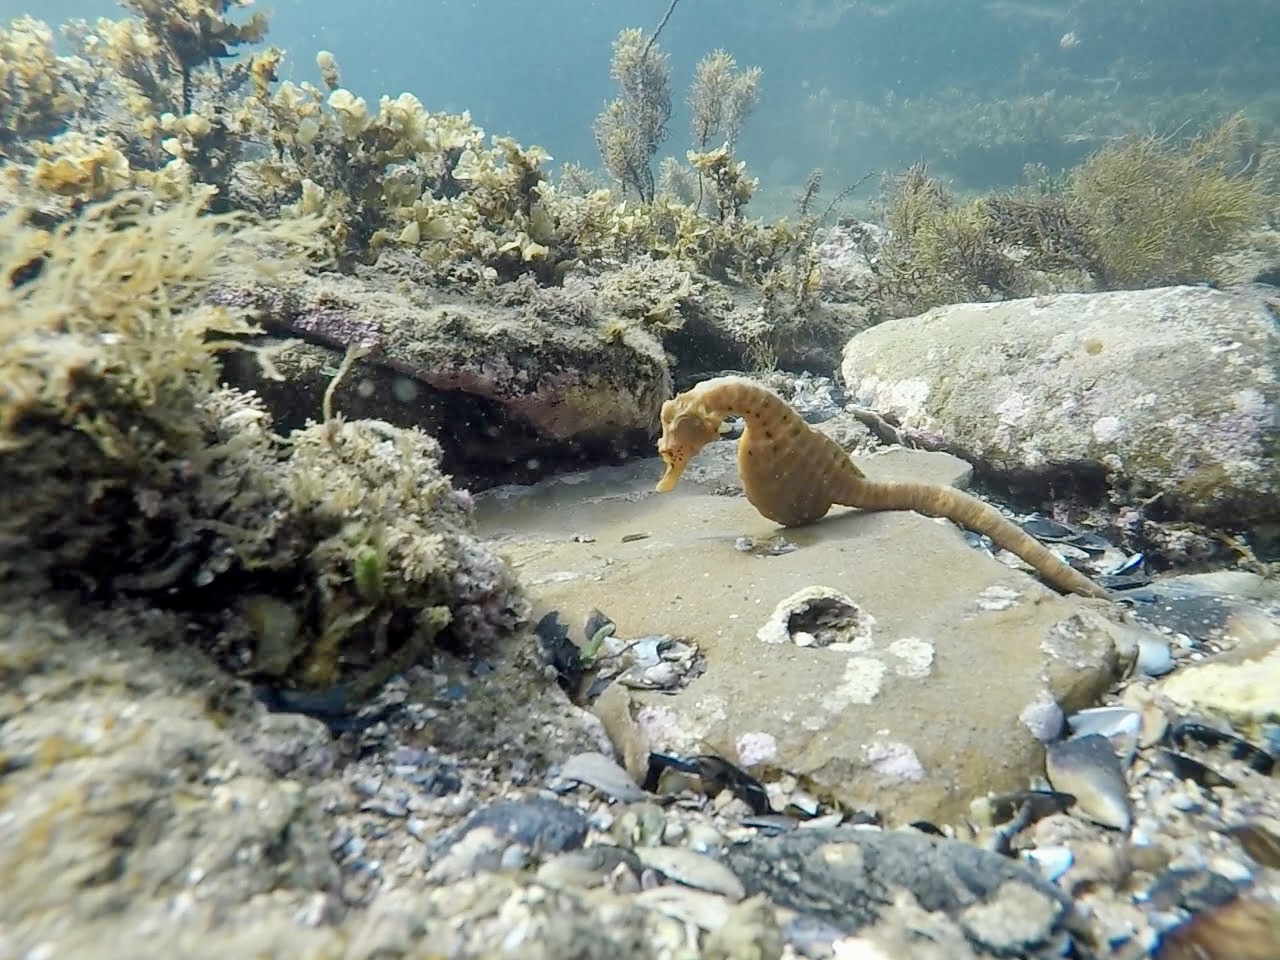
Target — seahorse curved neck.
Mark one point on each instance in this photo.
(736, 396)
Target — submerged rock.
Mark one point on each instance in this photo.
(854, 880)
(126, 799)
(923, 700)
(510, 389)
(1241, 689)
(1168, 391)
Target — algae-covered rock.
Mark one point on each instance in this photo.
(364, 545)
(516, 380)
(150, 801)
(106, 354)
(126, 794)
(340, 552)
(511, 385)
(1171, 394)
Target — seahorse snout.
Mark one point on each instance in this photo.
(676, 462)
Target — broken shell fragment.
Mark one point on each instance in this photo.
(693, 870)
(991, 810)
(1236, 748)
(591, 867)
(774, 546)
(1261, 841)
(1089, 768)
(603, 774)
(1043, 528)
(1189, 768)
(1154, 659)
(1120, 725)
(658, 676)
(1052, 862)
(658, 662)
(709, 775)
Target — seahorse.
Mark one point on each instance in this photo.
(794, 474)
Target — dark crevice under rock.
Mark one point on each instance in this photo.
(483, 444)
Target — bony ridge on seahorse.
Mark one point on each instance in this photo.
(793, 474)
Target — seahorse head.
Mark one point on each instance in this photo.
(687, 427)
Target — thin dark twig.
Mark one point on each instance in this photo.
(671, 8)
(843, 195)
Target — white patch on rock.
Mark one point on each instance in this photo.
(905, 397)
(665, 730)
(756, 747)
(894, 759)
(914, 657)
(998, 598)
(861, 645)
(556, 576)
(1107, 429)
(863, 677)
(1250, 402)
(1013, 409)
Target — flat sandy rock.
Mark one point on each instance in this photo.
(946, 661)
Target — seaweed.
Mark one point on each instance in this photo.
(1154, 212)
(939, 250)
(185, 36)
(633, 124)
(1142, 212)
(39, 89)
(108, 350)
(126, 470)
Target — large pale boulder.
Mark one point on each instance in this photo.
(1171, 392)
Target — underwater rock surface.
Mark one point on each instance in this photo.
(500, 384)
(931, 693)
(1168, 392)
(147, 799)
(338, 555)
(267, 690)
(848, 878)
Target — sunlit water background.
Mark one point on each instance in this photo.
(854, 87)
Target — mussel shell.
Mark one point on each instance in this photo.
(1050, 531)
(1188, 768)
(1004, 807)
(1255, 757)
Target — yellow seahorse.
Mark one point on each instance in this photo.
(793, 474)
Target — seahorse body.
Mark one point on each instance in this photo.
(793, 474)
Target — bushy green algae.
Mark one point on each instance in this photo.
(126, 469)
(1141, 212)
(109, 351)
